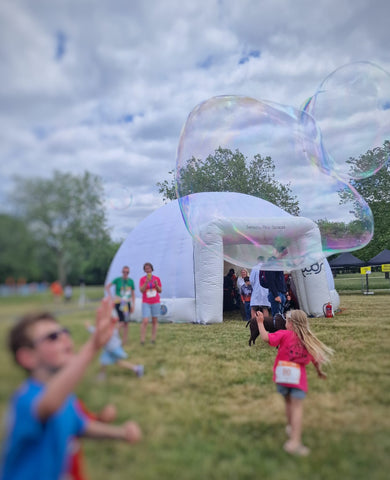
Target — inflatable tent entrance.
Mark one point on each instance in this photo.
(192, 275)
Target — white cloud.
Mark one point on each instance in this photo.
(151, 62)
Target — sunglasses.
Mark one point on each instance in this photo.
(53, 336)
(125, 272)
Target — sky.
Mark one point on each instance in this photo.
(106, 86)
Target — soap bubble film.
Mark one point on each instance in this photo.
(118, 198)
(292, 138)
(352, 109)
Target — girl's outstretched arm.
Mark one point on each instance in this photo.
(320, 373)
(260, 323)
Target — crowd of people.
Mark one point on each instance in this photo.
(268, 291)
(45, 416)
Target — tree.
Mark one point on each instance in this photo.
(376, 191)
(17, 250)
(227, 171)
(66, 217)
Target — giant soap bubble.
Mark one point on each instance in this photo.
(352, 108)
(242, 129)
(118, 197)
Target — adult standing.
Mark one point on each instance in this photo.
(150, 287)
(229, 290)
(124, 290)
(277, 290)
(259, 298)
(240, 282)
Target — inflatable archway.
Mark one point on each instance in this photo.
(192, 274)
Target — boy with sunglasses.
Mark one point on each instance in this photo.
(43, 415)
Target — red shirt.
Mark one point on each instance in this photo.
(76, 462)
(150, 295)
(289, 367)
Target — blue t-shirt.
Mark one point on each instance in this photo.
(34, 449)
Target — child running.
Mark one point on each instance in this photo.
(113, 353)
(298, 346)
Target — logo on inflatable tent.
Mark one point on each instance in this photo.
(163, 309)
(315, 269)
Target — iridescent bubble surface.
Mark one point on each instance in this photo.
(118, 197)
(292, 139)
(352, 109)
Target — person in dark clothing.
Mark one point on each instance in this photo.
(229, 290)
(274, 281)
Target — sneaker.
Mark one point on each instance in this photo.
(139, 370)
(298, 450)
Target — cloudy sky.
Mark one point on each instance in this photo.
(106, 86)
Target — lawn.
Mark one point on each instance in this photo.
(355, 282)
(208, 408)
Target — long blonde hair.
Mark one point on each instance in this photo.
(300, 326)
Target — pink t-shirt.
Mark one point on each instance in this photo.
(289, 367)
(150, 295)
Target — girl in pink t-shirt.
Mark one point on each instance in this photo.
(297, 347)
(150, 287)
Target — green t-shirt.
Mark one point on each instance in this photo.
(123, 287)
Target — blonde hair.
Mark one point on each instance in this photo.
(300, 326)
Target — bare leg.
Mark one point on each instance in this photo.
(125, 332)
(294, 411)
(126, 364)
(154, 328)
(288, 411)
(296, 420)
(144, 325)
(137, 369)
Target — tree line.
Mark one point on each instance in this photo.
(231, 171)
(57, 227)
(56, 230)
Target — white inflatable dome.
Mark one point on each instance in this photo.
(192, 274)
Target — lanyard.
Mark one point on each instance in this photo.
(150, 282)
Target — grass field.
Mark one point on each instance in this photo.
(208, 408)
(355, 282)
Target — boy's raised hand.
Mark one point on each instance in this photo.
(105, 323)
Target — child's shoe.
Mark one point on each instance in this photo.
(139, 370)
(299, 450)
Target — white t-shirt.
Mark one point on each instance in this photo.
(259, 293)
(240, 283)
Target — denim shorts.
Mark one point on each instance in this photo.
(292, 391)
(150, 310)
(109, 357)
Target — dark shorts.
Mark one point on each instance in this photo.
(123, 313)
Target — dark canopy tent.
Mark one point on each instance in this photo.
(381, 258)
(346, 260)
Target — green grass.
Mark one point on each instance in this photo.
(355, 282)
(208, 408)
